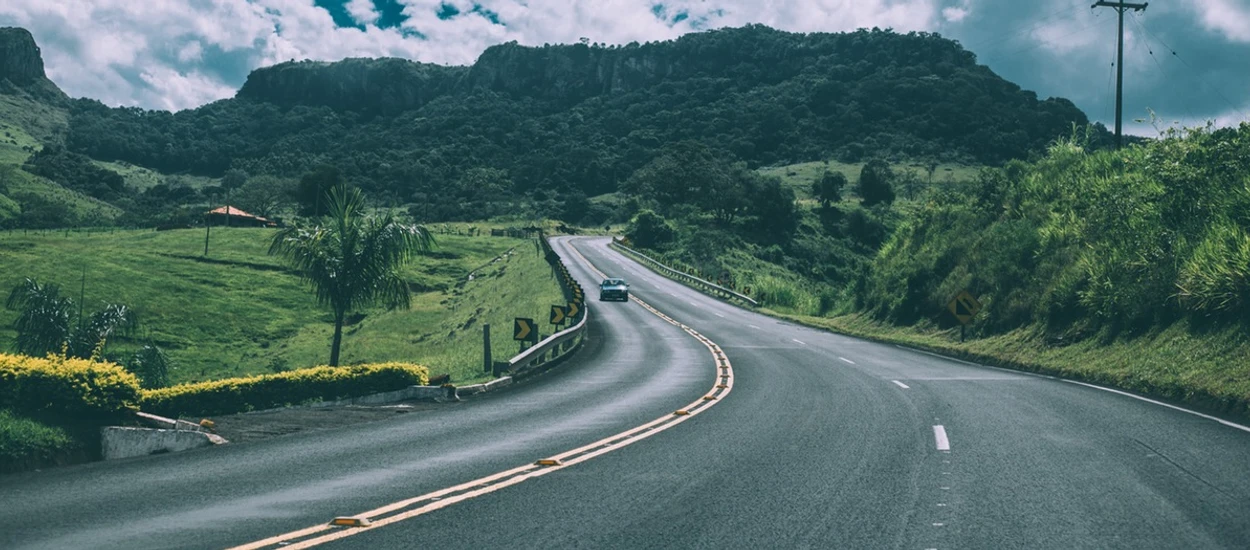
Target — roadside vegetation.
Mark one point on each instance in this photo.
(1128, 268)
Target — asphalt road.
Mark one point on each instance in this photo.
(824, 442)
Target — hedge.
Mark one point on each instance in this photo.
(233, 395)
(61, 389)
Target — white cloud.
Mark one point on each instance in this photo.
(363, 11)
(193, 51)
(1230, 18)
(119, 51)
(954, 15)
(173, 91)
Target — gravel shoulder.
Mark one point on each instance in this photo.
(253, 426)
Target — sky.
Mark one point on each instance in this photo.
(1187, 61)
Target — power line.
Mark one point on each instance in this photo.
(1236, 108)
(1144, 44)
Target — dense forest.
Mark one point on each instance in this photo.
(546, 124)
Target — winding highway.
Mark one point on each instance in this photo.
(814, 440)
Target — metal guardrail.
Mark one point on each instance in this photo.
(561, 342)
(706, 286)
(556, 342)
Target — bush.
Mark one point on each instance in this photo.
(267, 391)
(64, 389)
(23, 439)
(649, 230)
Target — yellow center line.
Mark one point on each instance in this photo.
(489, 484)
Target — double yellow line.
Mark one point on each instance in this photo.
(429, 502)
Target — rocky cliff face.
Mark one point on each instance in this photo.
(371, 85)
(20, 61)
(568, 73)
(21, 65)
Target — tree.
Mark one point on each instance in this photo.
(234, 179)
(151, 365)
(43, 319)
(828, 189)
(265, 195)
(352, 260)
(44, 322)
(876, 183)
(773, 206)
(687, 172)
(649, 229)
(313, 188)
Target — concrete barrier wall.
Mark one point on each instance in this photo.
(119, 442)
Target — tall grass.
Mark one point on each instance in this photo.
(1082, 241)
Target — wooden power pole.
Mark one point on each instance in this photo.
(1120, 6)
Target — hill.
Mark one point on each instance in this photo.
(556, 121)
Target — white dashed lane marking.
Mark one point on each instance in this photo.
(900, 384)
(847, 360)
(939, 436)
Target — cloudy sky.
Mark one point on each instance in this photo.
(1187, 60)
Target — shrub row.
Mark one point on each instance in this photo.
(61, 389)
(235, 395)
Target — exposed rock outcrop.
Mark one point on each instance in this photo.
(21, 66)
(388, 85)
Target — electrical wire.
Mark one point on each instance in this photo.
(1144, 44)
(1202, 77)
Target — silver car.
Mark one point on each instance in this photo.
(614, 289)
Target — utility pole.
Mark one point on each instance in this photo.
(1120, 6)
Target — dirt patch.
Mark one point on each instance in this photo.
(252, 426)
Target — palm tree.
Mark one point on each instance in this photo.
(44, 324)
(43, 319)
(353, 260)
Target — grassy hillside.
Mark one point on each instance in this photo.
(25, 125)
(141, 179)
(800, 176)
(240, 312)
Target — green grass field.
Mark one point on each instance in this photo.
(240, 312)
(799, 177)
(142, 179)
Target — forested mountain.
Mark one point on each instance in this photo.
(553, 120)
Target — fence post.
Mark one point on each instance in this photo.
(487, 364)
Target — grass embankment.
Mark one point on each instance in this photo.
(239, 312)
(1201, 367)
(28, 443)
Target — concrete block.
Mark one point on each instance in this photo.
(119, 442)
(462, 391)
(496, 384)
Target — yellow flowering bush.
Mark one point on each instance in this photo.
(267, 391)
(76, 390)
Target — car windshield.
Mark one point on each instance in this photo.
(613, 282)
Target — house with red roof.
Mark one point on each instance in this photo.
(229, 215)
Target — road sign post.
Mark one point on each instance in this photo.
(964, 306)
(524, 331)
(558, 315)
(486, 358)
